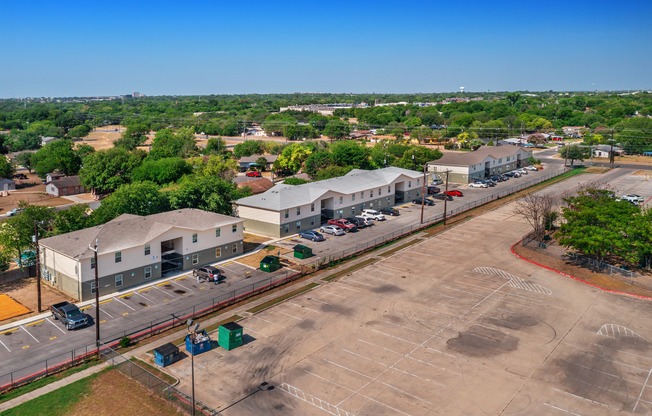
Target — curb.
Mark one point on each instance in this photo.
(616, 292)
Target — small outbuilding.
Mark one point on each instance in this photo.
(166, 354)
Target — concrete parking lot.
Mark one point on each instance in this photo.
(452, 325)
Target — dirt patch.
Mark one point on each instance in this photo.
(254, 259)
(613, 282)
(31, 190)
(479, 341)
(133, 398)
(24, 292)
(253, 238)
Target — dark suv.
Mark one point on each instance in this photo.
(390, 211)
(358, 222)
(208, 273)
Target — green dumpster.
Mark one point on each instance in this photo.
(270, 264)
(229, 335)
(302, 252)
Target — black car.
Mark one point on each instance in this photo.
(358, 222)
(432, 190)
(504, 177)
(443, 197)
(496, 178)
(426, 201)
(390, 211)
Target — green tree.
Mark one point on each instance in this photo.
(161, 171)
(6, 168)
(317, 161)
(208, 193)
(332, 172)
(135, 135)
(16, 233)
(81, 130)
(350, 153)
(292, 158)
(337, 129)
(295, 181)
(138, 198)
(71, 219)
(249, 148)
(574, 152)
(59, 156)
(24, 159)
(215, 146)
(107, 170)
(275, 124)
(168, 143)
(214, 165)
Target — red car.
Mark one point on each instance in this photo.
(454, 192)
(343, 224)
(254, 174)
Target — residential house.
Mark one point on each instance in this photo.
(257, 185)
(247, 162)
(465, 167)
(7, 184)
(133, 250)
(67, 185)
(288, 209)
(49, 177)
(603, 150)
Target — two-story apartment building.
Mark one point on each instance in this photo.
(289, 209)
(465, 167)
(132, 250)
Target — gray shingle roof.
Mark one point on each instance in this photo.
(472, 158)
(66, 181)
(283, 196)
(129, 230)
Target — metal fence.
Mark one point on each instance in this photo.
(157, 385)
(179, 317)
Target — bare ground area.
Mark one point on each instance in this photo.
(31, 190)
(113, 393)
(24, 291)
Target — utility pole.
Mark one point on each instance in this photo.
(446, 194)
(38, 269)
(611, 150)
(97, 298)
(423, 190)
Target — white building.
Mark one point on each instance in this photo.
(132, 250)
(465, 167)
(288, 209)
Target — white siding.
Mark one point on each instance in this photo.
(264, 215)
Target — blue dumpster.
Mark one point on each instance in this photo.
(198, 342)
(166, 354)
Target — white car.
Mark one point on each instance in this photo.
(477, 185)
(522, 171)
(332, 229)
(373, 214)
(633, 197)
(14, 211)
(367, 221)
(531, 168)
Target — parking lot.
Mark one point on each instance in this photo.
(452, 325)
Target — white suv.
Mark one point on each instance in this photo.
(633, 198)
(373, 214)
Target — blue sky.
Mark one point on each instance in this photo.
(75, 48)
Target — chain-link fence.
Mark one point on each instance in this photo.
(157, 385)
(178, 317)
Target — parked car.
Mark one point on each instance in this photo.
(496, 178)
(343, 224)
(20, 176)
(504, 177)
(367, 221)
(312, 235)
(478, 185)
(357, 222)
(393, 212)
(425, 201)
(69, 315)
(443, 197)
(454, 192)
(208, 273)
(14, 211)
(373, 214)
(522, 171)
(514, 174)
(531, 168)
(437, 181)
(254, 174)
(332, 229)
(633, 198)
(432, 190)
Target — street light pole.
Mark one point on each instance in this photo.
(446, 195)
(189, 323)
(97, 298)
(423, 190)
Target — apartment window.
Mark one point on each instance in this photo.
(500, 160)
(312, 207)
(195, 258)
(380, 191)
(298, 211)
(409, 184)
(92, 262)
(235, 248)
(218, 252)
(312, 221)
(286, 228)
(148, 272)
(234, 228)
(118, 256)
(147, 249)
(93, 288)
(341, 200)
(389, 189)
(371, 193)
(194, 238)
(352, 210)
(286, 214)
(362, 195)
(218, 232)
(118, 280)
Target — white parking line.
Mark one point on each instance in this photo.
(363, 357)
(396, 338)
(562, 410)
(269, 322)
(55, 325)
(145, 297)
(301, 306)
(333, 294)
(642, 390)
(183, 286)
(345, 287)
(3, 344)
(103, 310)
(124, 304)
(319, 300)
(23, 328)
(291, 316)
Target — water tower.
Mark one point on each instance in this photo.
(462, 90)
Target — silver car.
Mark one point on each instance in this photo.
(332, 229)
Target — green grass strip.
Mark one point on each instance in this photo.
(349, 269)
(37, 384)
(401, 247)
(154, 370)
(57, 402)
(282, 298)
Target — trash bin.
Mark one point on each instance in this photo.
(229, 336)
(270, 264)
(197, 343)
(166, 354)
(302, 252)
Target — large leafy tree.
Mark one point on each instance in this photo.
(214, 165)
(337, 129)
(107, 170)
(168, 143)
(249, 148)
(275, 124)
(135, 135)
(575, 152)
(58, 155)
(71, 219)
(16, 233)
(350, 153)
(24, 159)
(161, 171)
(138, 198)
(292, 158)
(6, 168)
(208, 193)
